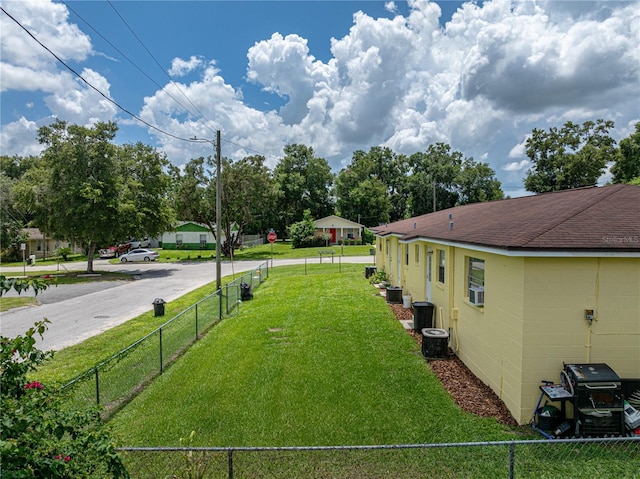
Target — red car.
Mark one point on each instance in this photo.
(114, 251)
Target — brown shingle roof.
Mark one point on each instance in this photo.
(592, 219)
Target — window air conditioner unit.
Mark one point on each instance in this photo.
(476, 295)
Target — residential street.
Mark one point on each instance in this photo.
(78, 312)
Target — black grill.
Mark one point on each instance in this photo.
(597, 398)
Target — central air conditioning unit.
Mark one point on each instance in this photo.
(476, 295)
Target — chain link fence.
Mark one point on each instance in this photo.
(600, 458)
(117, 379)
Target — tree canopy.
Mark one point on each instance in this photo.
(570, 157)
(303, 182)
(627, 164)
(92, 192)
(247, 196)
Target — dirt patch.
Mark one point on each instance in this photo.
(471, 394)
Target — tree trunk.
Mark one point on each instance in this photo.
(90, 252)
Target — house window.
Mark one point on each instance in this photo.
(417, 253)
(388, 250)
(203, 240)
(406, 254)
(441, 266)
(178, 239)
(38, 245)
(475, 282)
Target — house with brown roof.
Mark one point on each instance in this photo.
(524, 285)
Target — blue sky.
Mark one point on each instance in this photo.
(334, 75)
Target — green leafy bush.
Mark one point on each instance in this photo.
(64, 252)
(41, 437)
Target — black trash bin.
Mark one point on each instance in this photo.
(422, 315)
(394, 294)
(245, 291)
(369, 271)
(158, 306)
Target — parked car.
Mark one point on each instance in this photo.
(139, 255)
(106, 253)
(144, 243)
(123, 248)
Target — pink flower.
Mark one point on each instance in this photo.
(60, 458)
(33, 385)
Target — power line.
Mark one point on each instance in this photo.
(116, 104)
(90, 85)
(202, 116)
(134, 64)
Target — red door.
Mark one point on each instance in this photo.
(332, 232)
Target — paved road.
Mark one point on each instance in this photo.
(78, 312)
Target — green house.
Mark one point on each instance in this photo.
(189, 235)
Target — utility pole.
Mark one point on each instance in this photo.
(434, 196)
(218, 212)
(216, 145)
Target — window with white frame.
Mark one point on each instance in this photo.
(441, 269)
(178, 239)
(417, 253)
(475, 281)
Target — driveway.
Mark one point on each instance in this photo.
(78, 312)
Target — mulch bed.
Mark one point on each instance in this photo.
(471, 394)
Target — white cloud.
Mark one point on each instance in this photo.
(516, 166)
(481, 82)
(80, 104)
(180, 67)
(17, 138)
(49, 23)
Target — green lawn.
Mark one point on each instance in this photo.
(314, 359)
(281, 250)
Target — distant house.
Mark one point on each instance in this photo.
(339, 228)
(189, 235)
(516, 281)
(42, 246)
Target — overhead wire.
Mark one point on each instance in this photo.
(178, 87)
(135, 65)
(116, 104)
(207, 122)
(133, 115)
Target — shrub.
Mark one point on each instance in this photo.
(41, 436)
(378, 277)
(64, 252)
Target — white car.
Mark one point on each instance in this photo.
(139, 255)
(144, 243)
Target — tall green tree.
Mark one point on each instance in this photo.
(90, 191)
(570, 157)
(247, 196)
(433, 174)
(627, 163)
(304, 182)
(477, 182)
(362, 200)
(11, 221)
(373, 187)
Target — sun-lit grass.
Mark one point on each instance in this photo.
(315, 359)
(9, 303)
